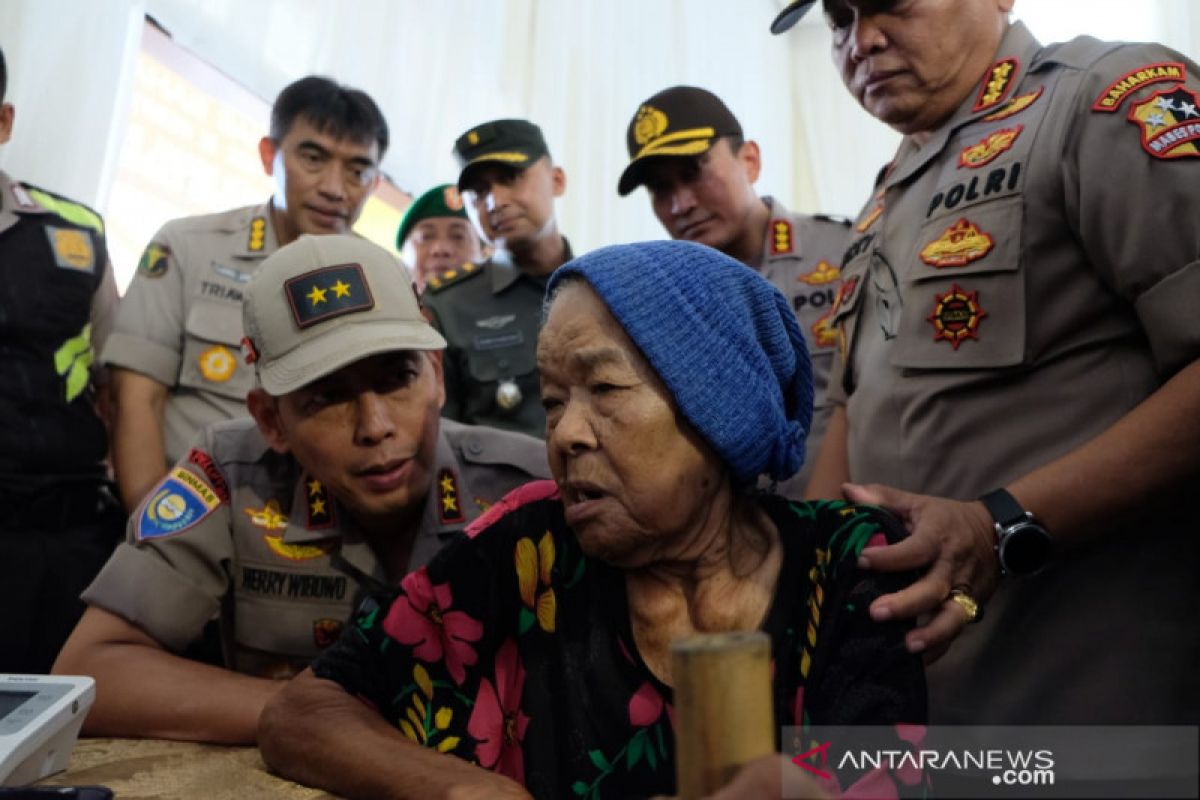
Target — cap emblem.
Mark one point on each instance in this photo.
(452, 198)
(648, 125)
(473, 137)
(327, 293)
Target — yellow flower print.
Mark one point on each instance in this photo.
(534, 564)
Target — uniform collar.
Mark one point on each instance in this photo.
(999, 83)
(505, 271)
(256, 235)
(14, 200)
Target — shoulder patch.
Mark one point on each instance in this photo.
(319, 506)
(153, 263)
(781, 237)
(1169, 121)
(999, 79)
(258, 235)
(1115, 93)
(449, 498)
(67, 209)
(72, 248)
(179, 502)
(453, 277)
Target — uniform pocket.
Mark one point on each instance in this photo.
(211, 350)
(964, 300)
(496, 355)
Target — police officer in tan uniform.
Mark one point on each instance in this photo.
(688, 150)
(1018, 325)
(342, 481)
(436, 235)
(490, 312)
(175, 345)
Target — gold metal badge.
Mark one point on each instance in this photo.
(648, 125)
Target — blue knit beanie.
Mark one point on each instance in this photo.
(723, 340)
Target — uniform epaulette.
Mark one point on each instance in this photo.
(834, 218)
(66, 208)
(454, 277)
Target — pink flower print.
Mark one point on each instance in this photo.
(422, 619)
(645, 707)
(497, 722)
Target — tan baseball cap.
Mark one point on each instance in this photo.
(323, 302)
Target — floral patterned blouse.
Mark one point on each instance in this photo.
(514, 650)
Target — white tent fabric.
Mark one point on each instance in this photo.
(579, 68)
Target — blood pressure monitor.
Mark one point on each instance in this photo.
(40, 717)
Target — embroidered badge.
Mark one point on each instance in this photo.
(843, 294)
(823, 274)
(230, 273)
(153, 263)
(217, 363)
(960, 244)
(999, 80)
(497, 322)
(649, 125)
(1015, 106)
(327, 293)
(302, 551)
(869, 220)
(988, 150)
(449, 506)
(473, 137)
(1115, 93)
(956, 315)
(212, 472)
(824, 334)
(781, 237)
(269, 517)
(72, 248)
(180, 501)
(258, 235)
(319, 507)
(1170, 123)
(451, 276)
(452, 198)
(326, 631)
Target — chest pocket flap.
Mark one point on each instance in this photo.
(211, 350)
(502, 351)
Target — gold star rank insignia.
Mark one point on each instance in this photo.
(319, 509)
(317, 295)
(449, 511)
(341, 289)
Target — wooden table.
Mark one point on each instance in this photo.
(156, 769)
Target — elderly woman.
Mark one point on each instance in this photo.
(535, 649)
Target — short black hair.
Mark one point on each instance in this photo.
(3, 76)
(334, 109)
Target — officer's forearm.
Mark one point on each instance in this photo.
(315, 733)
(832, 466)
(143, 690)
(139, 458)
(1150, 452)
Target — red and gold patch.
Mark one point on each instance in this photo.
(959, 245)
(869, 220)
(1115, 93)
(449, 503)
(319, 507)
(1000, 78)
(823, 274)
(1015, 106)
(824, 334)
(956, 315)
(988, 150)
(846, 290)
(326, 631)
(1170, 123)
(781, 237)
(211, 471)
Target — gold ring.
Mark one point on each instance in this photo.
(967, 604)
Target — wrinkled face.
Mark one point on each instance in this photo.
(368, 431)
(439, 244)
(911, 63)
(635, 477)
(707, 198)
(515, 206)
(321, 182)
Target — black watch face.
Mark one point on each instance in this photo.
(1025, 550)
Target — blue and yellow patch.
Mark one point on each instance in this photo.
(178, 503)
(72, 248)
(326, 293)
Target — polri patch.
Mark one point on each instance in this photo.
(1015, 106)
(959, 245)
(72, 248)
(1000, 78)
(824, 273)
(179, 502)
(988, 150)
(781, 237)
(449, 502)
(956, 316)
(1115, 93)
(153, 263)
(319, 506)
(1170, 123)
(328, 293)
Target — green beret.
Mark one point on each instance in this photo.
(440, 201)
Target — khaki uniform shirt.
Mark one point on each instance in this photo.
(1016, 286)
(240, 532)
(489, 315)
(180, 322)
(800, 257)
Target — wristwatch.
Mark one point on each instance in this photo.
(1022, 544)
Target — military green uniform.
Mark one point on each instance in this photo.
(180, 322)
(490, 315)
(240, 532)
(1018, 284)
(800, 257)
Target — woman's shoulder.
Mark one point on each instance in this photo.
(840, 528)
